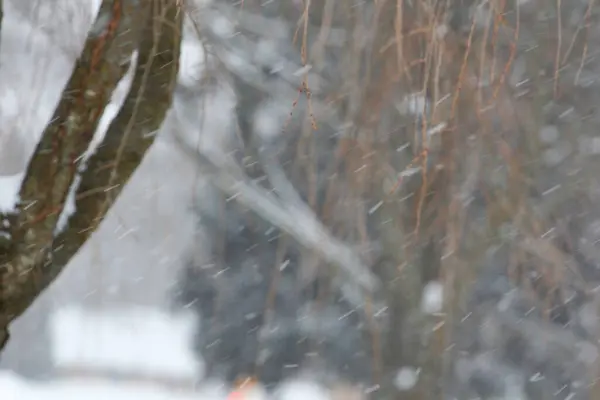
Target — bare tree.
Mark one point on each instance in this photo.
(144, 36)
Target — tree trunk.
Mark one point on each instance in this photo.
(34, 248)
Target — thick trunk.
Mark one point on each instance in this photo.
(33, 253)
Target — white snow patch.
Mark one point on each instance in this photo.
(191, 62)
(413, 104)
(301, 390)
(110, 112)
(213, 130)
(549, 134)
(12, 387)
(112, 109)
(432, 298)
(69, 208)
(9, 103)
(441, 31)
(406, 378)
(266, 53)
(269, 120)
(221, 26)
(130, 340)
(10, 186)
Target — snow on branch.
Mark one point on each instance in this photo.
(33, 250)
(290, 214)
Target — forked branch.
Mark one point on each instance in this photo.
(34, 252)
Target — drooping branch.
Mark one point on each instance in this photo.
(290, 215)
(32, 256)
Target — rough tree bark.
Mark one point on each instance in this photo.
(32, 250)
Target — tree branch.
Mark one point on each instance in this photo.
(33, 257)
(294, 218)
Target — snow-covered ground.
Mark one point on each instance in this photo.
(133, 353)
(13, 387)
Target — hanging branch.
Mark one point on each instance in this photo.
(33, 254)
(288, 213)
